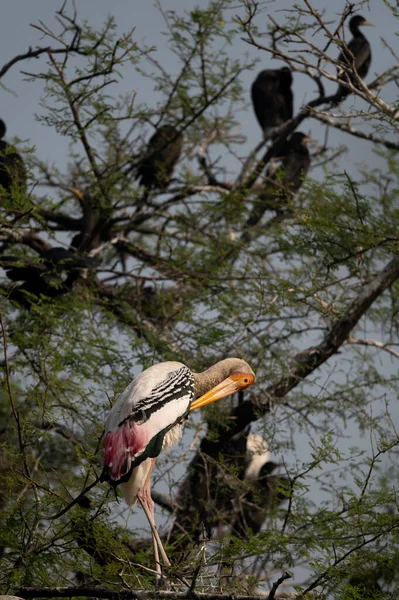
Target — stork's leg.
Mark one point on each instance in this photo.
(156, 556)
(144, 497)
(154, 532)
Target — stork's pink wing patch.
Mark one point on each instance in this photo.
(122, 446)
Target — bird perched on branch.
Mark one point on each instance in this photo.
(282, 185)
(12, 169)
(50, 274)
(147, 418)
(357, 54)
(51, 260)
(163, 151)
(272, 97)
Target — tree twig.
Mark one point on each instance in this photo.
(10, 395)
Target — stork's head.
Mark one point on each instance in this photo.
(241, 377)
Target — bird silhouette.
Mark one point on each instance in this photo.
(50, 274)
(272, 97)
(281, 185)
(12, 171)
(162, 153)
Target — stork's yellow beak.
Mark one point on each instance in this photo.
(234, 383)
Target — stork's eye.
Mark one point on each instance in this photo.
(246, 380)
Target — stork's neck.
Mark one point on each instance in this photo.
(205, 381)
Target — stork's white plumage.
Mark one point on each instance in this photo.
(147, 418)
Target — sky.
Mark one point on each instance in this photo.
(20, 99)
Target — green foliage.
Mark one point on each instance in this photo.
(180, 276)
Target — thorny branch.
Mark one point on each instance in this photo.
(42, 592)
(11, 397)
(374, 343)
(356, 132)
(302, 364)
(307, 361)
(75, 46)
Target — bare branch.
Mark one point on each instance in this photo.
(11, 398)
(59, 592)
(367, 342)
(356, 132)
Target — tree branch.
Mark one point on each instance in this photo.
(303, 363)
(36, 53)
(349, 129)
(97, 592)
(367, 342)
(310, 359)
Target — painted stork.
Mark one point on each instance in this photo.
(264, 492)
(147, 418)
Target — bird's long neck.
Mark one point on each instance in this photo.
(205, 381)
(303, 150)
(355, 31)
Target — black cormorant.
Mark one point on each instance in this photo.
(51, 274)
(162, 153)
(359, 47)
(284, 183)
(272, 97)
(12, 169)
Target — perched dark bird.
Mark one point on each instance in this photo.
(95, 224)
(294, 166)
(22, 269)
(272, 97)
(65, 259)
(162, 153)
(356, 54)
(12, 169)
(372, 578)
(282, 185)
(51, 274)
(52, 260)
(366, 586)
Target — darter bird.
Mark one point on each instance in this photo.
(357, 54)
